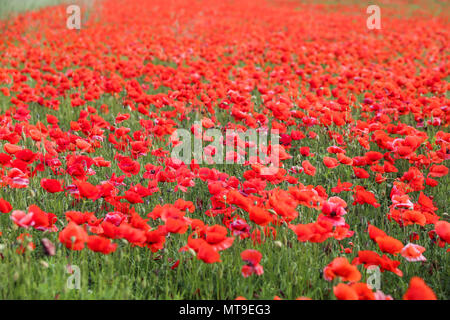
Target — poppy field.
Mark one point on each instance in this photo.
(348, 199)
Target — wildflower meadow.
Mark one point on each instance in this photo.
(221, 150)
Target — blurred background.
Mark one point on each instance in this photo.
(10, 8)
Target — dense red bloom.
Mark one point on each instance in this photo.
(128, 166)
(333, 210)
(309, 168)
(418, 290)
(361, 173)
(389, 244)
(21, 218)
(133, 197)
(155, 239)
(5, 206)
(25, 155)
(235, 197)
(240, 228)
(343, 106)
(208, 254)
(345, 292)
(340, 267)
(304, 151)
(438, 171)
(313, 232)
(122, 117)
(252, 258)
(344, 186)
(260, 216)
(86, 190)
(330, 162)
(283, 204)
(355, 291)
(342, 158)
(73, 236)
(133, 235)
(82, 217)
(36, 218)
(51, 185)
(413, 252)
(363, 196)
(216, 236)
(100, 244)
(370, 258)
(374, 232)
(443, 230)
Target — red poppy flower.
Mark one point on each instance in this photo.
(5, 206)
(208, 254)
(330, 162)
(127, 165)
(438, 171)
(87, 190)
(443, 230)
(334, 210)
(51, 185)
(374, 232)
(73, 236)
(100, 244)
(361, 173)
(340, 267)
(389, 244)
(155, 239)
(418, 290)
(252, 258)
(413, 252)
(309, 168)
(260, 216)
